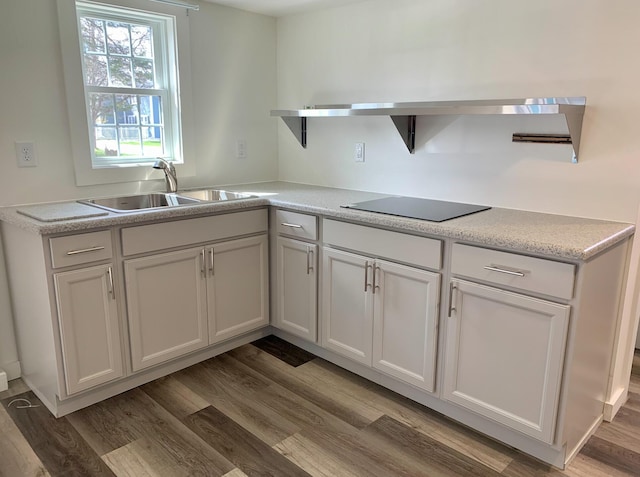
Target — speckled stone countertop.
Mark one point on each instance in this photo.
(558, 236)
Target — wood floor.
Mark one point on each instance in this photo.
(270, 409)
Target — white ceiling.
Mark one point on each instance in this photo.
(279, 8)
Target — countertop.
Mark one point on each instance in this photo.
(563, 237)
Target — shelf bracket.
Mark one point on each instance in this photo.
(574, 124)
(298, 126)
(406, 126)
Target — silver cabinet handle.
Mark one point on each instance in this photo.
(366, 275)
(293, 226)
(85, 250)
(452, 288)
(493, 268)
(309, 260)
(211, 263)
(202, 265)
(110, 279)
(376, 268)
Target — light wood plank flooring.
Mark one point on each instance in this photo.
(271, 409)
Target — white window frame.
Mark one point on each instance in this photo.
(81, 144)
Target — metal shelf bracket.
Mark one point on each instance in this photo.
(298, 126)
(406, 126)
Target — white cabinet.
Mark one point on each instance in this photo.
(166, 306)
(89, 327)
(381, 314)
(297, 293)
(237, 287)
(181, 301)
(296, 273)
(405, 317)
(347, 305)
(505, 351)
(67, 309)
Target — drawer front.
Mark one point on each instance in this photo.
(420, 251)
(503, 268)
(297, 225)
(181, 233)
(81, 248)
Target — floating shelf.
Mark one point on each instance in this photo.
(404, 115)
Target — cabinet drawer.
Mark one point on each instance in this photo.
(180, 233)
(503, 268)
(81, 248)
(419, 251)
(297, 225)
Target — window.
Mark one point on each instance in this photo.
(123, 87)
(128, 84)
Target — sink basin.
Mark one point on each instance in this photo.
(213, 195)
(130, 203)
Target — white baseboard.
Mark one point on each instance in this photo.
(613, 405)
(4, 384)
(12, 369)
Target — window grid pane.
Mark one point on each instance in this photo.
(127, 126)
(121, 52)
(117, 53)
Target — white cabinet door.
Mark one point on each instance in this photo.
(237, 287)
(405, 320)
(297, 292)
(89, 327)
(504, 357)
(347, 315)
(166, 304)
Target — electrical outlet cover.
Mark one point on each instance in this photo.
(26, 154)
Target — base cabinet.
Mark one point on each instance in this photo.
(181, 301)
(347, 305)
(297, 285)
(89, 327)
(405, 317)
(237, 287)
(504, 356)
(166, 306)
(381, 314)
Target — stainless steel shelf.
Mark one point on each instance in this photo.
(404, 114)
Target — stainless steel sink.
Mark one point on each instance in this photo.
(214, 195)
(130, 203)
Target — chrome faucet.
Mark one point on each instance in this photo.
(169, 173)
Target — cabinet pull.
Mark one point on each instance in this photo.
(211, 263)
(85, 250)
(493, 268)
(110, 279)
(376, 268)
(293, 226)
(366, 275)
(452, 287)
(202, 265)
(309, 260)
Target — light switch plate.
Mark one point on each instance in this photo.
(358, 152)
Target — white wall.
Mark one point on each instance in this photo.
(233, 86)
(415, 50)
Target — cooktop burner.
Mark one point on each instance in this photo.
(415, 208)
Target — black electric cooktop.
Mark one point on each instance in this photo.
(415, 208)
